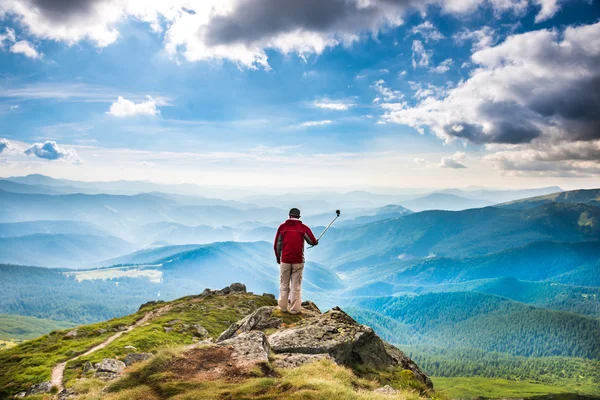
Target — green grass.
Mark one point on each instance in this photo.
(17, 327)
(32, 361)
(460, 387)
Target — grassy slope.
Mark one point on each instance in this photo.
(493, 388)
(16, 327)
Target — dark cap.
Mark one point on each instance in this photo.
(294, 213)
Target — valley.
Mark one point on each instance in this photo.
(479, 297)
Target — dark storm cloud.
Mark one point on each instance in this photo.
(577, 106)
(61, 10)
(502, 132)
(255, 20)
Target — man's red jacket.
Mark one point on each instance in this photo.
(289, 241)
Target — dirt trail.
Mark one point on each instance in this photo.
(59, 369)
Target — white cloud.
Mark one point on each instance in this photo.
(428, 31)
(384, 71)
(8, 36)
(25, 48)
(337, 105)
(534, 90)
(49, 150)
(455, 161)
(481, 38)
(127, 108)
(420, 56)
(548, 8)
(386, 93)
(309, 124)
(241, 31)
(443, 67)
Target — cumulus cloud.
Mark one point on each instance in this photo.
(443, 67)
(337, 105)
(533, 89)
(481, 38)
(49, 150)
(454, 161)
(309, 124)
(239, 30)
(127, 108)
(25, 48)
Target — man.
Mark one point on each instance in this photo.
(289, 251)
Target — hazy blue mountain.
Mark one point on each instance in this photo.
(500, 196)
(50, 227)
(60, 250)
(444, 201)
(15, 187)
(176, 234)
(458, 234)
(166, 272)
(148, 255)
(263, 233)
(122, 215)
(591, 196)
(569, 263)
(583, 300)
(357, 216)
(488, 322)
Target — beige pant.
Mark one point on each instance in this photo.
(290, 273)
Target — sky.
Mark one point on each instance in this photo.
(313, 93)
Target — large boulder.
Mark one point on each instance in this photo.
(259, 319)
(110, 365)
(248, 347)
(334, 333)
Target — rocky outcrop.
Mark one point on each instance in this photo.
(248, 347)
(233, 288)
(258, 320)
(71, 334)
(334, 333)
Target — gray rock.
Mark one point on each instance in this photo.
(309, 305)
(238, 287)
(39, 388)
(72, 334)
(387, 389)
(133, 358)
(334, 333)
(290, 360)
(248, 347)
(167, 330)
(225, 290)
(20, 395)
(269, 295)
(200, 330)
(101, 331)
(401, 360)
(173, 322)
(87, 367)
(259, 319)
(110, 365)
(106, 376)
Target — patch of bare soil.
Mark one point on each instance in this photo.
(208, 364)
